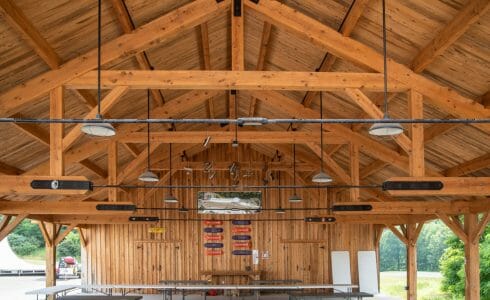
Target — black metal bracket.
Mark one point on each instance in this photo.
(320, 219)
(61, 185)
(144, 219)
(412, 185)
(233, 92)
(237, 8)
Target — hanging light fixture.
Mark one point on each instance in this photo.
(235, 144)
(294, 197)
(170, 198)
(385, 129)
(148, 175)
(321, 177)
(99, 129)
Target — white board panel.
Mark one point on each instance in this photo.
(341, 269)
(368, 272)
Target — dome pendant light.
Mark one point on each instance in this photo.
(385, 129)
(294, 197)
(321, 177)
(170, 198)
(98, 129)
(148, 175)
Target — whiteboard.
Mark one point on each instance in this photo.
(368, 272)
(341, 269)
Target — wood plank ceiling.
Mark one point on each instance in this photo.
(445, 42)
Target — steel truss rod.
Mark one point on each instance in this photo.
(123, 186)
(244, 121)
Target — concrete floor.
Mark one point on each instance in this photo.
(15, 287)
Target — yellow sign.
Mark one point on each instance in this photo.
(156, 230)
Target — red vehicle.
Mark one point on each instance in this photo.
(68, 267)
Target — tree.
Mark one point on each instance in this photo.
(452, 266)
(70, 246)
(393, 253)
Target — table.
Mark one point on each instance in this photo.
(53, 290)
(99, 297)
(167, 294)
(253, 275)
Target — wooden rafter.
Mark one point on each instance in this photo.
(9, 170)
(350, 22)
(5, 221)
(344, 47)
(400, 235)
(17, 20)
(455, 227)
(374, 112)
(263, 51)
(206, 59)
(32, 130)
(372, 168)
(156, 31)
(283, 104)
(127, 26)
(481, 227)
(470, 14)
(94, 168)
(236, 80)
(469, 166)
(338, 173)
(107, 103)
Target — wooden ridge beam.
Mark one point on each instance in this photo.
(18, 21)
(127, 26)
(234, 80)
(21, 185)
(11, 226)
(39, 207)
(150, 34)
(344, 47)
(452, 186)
(223, 137)
(353, 16)
(471, 13)
(468, 167)
(61, 235)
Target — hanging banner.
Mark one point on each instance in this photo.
(241, 222)
(242, 244)
(213, 245)
(242, 252)
(213, 222)
(214, 252)
(241, 237)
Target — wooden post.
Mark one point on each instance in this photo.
(50, 256)
(354, 171)
(416, 156)
(112, 169)
(412, 261)
(472, 258)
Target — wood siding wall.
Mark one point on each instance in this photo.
(298, 250)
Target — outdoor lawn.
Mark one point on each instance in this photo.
(428, 285)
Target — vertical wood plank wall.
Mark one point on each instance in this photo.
(130, 254)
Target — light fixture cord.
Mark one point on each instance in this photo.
(170, 165)
(385, 64)
(99, 41)
(148, 125)
(236, 116)
(294, 167)
(321, 130)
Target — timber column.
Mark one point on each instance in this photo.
(472, 257)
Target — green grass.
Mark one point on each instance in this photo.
(428, 286)
(37, 258)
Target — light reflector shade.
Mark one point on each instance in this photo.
(183, 210)
(321, 177)
(295, 198)
(99, 129)
(280, 211)
(148, 176)
(385, 129)
(170, 199)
